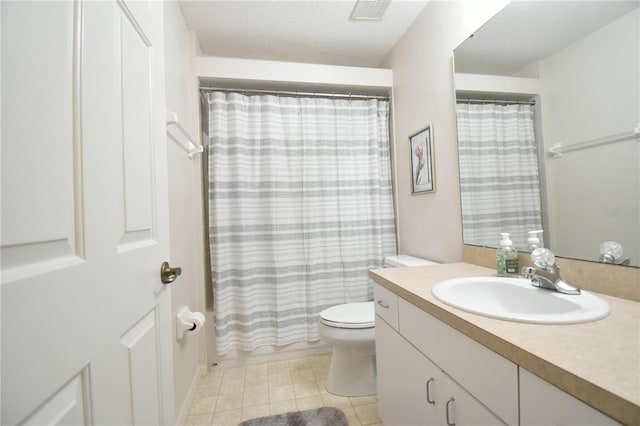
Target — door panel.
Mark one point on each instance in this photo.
(143, 349)
(70, 405)
(41, 232)
(86, 322)
(137, 105)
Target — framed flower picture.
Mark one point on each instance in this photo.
(422, 161)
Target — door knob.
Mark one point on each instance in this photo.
(169, 274)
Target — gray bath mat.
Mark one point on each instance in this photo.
(325, 416)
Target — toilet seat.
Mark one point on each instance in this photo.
(349, 315)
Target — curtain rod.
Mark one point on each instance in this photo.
(293, 93)
(494, 101)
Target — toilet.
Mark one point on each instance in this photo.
(350, 330)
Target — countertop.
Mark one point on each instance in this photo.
(597, 362)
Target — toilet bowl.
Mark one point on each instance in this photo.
(350, 330)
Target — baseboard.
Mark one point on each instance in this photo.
(186, 405)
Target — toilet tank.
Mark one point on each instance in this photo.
(405, 260)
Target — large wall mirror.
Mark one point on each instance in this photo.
(548, 108)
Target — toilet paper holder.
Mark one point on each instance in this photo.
(188, 321)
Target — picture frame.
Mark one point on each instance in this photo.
(422, 161)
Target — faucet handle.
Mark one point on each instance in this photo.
(543, 258)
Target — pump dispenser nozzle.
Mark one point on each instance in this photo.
(505, 242)
(533, 242)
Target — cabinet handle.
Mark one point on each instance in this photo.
(382, 304)
(429, 400)
(449, 413)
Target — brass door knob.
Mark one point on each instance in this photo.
(169, 274)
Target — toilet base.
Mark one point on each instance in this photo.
(352, 372)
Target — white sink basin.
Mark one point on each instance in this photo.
(515, 299)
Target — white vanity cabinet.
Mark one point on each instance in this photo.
(412, 390)
(429, 373)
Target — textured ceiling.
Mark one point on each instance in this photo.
(526, 31)
(297, 30)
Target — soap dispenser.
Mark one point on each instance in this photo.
(507, 257)
(533, 242)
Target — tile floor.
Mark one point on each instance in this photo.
(227, 396)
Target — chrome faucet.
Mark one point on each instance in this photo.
(548, 275)
(612, 252)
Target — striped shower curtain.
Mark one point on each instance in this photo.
(300, 207)
(499, 178)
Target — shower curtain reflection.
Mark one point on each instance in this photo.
(300, 207)
(499, 175)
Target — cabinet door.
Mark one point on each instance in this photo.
(403, 373)
(543, 403)
(460, 407)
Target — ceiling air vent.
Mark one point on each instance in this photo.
(369, 10)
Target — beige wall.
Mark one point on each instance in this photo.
(185, 205)
(429, 225)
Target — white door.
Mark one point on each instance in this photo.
(86, 321)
